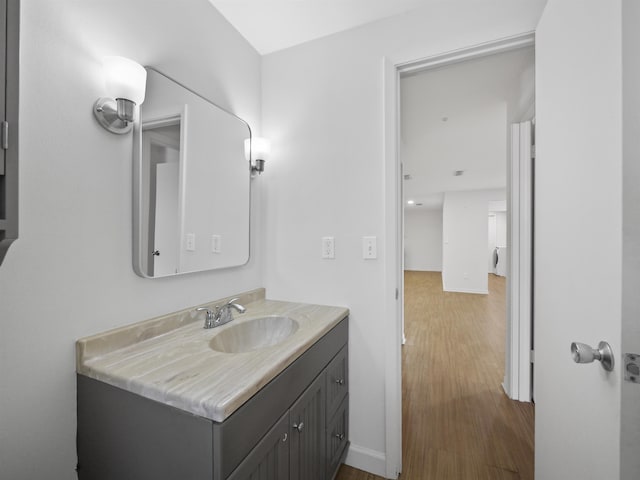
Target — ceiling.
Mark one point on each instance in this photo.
(271, 25)
(456, 118)
(453, 118)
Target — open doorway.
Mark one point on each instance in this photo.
(455, 146)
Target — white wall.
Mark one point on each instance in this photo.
(69, 274)
(501, 229)
(578, 262)
(323, 110)
(491, 240)
(630, 416)
(497, 235)
(423, 240)
(465, 241)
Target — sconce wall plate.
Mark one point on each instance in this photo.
(106, 112)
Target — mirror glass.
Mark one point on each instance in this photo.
(192, 183)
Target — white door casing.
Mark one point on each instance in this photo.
(630, 415)
(393, 231)
(517, 379)
(578, 237)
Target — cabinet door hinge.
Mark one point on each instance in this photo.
(397, 293)
(5, 135)
(532, 356)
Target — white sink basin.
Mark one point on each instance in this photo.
(254, 334)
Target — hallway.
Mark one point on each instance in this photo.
(457, 422)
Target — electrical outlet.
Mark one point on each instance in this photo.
(190, 242)
(369, 248)
(216, 243)
(328, 248)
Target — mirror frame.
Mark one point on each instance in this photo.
(139, 250)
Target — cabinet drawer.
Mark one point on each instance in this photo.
(337, 381)
(337, 437)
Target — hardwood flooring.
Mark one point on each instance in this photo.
(457, 422)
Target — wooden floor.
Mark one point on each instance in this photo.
(457, 422)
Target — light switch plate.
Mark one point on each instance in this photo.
(216, 243)
(190, 242)
(328, 248)
(369, 248)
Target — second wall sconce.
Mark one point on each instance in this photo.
(256, 151)
(126, 83)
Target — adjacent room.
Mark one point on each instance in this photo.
(455, 153)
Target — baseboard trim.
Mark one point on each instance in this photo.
(368, 460)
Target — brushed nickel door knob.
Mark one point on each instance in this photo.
(583, 353)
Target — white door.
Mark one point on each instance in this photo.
(578, 237)
(167, 225)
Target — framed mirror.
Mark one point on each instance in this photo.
(191, 183)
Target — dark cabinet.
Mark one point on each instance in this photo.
(337, 380)
(311, 436)
(295, 427)
(337, 435)
(269, 460)
(9, 66)
(307, 449)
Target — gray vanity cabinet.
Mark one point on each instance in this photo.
(337, 430)
(295, 427)
(269, 460)
(307, 448)
(309, 441)
(294, 448)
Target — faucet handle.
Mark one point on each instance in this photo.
(210, 320)
(205, 309)
(236, 306)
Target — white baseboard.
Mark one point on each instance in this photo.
(366, 459)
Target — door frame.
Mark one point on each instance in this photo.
(394, 285)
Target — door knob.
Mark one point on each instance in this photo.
(299, 426)
(583, 353)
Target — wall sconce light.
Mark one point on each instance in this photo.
(126, 82)
(256, 151)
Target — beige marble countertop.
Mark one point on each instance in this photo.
(168, 359)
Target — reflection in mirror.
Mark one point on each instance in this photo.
(161, 156)
(191, 183)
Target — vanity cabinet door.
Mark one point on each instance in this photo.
(337, 437)
(307, 426)
(269, 460)
(337, 381)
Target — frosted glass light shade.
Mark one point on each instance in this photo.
(260, 147)
(125, 79)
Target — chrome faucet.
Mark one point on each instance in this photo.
(221, 314)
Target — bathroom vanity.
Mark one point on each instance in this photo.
(168, 399)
